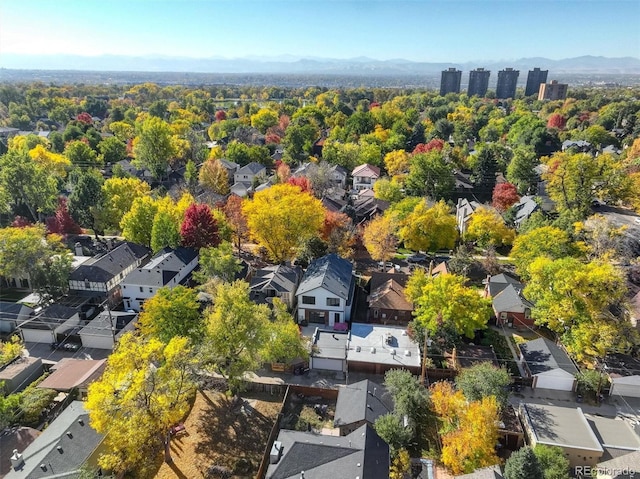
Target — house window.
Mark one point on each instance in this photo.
(376, 313)
(333, 301)
(336, 318)
(503, 315)
(308, 300)
(151, 290)
(87, 285)
(527, 313)
(141, 289)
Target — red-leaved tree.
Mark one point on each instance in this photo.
(199, 228)
(556, 121)
(61, 222)
(85, 118)
(504, 196)
(301, 182)
(20, 222)
(221, 115)
(237, 220)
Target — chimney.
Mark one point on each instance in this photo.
(301, 474)
(109, 244)
(78, 249)
(16, 460)
(374, 391)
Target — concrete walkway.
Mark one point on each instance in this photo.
(514, 353)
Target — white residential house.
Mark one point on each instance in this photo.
(464, 210)
(100, 277)
(365, 176)
(279, 281)
(326, 292)
(168, 268)
(247, 173)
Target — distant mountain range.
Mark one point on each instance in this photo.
(295, 65)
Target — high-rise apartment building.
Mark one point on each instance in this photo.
(534, 79)
(478, 82)
(553, 91)
(450, 81)
(507, 81)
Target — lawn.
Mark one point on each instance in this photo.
(218, 433)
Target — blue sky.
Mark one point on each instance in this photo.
(419, 30)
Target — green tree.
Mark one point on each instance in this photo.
(86, 197)
(118, 195)
(430, 175)
(172, 312)
(482, 380)
(521, 171)
(112, 150)
(218, 263)
(523, 464)
(27, 184)
(284, 343)
(154, 147)
(235, 333)
(137, 223)
(145, 389)
(391, 429)
(552, 461)
(410, 398)
(429, 229)
(81, 155)
(165, 231)
(264, 119)
(388, 190)
(445, 301)
(546, 241)
(566, 291)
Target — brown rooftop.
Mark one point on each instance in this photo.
(73, 373)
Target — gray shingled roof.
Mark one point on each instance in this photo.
(510, 299)
(281, 278)
(524, 208)
(361, 454)
(500, 281)
(252, 168)
(329, 272)
(162, 268)
(103, 268)
(364, 400)
(544, 355)
(75, 449)
(491, 472)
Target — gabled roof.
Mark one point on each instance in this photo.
(624, 464)
(107, 323)
(543, 355)
(366, 170)
(103, 268)
(361, 401)
(228, 164)
(76, 446)
(524, 208)
(499, 282)
(281, 278)
(330, 272)
(510, 300)
(162, 268)
(361, 454)
(252, 168)
(339, 169)
(71, 373)
(389, 294)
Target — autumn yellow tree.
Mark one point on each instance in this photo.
(53, 162)
(397, 163)
(469, 429)
(487, 228)
(547, 241)
(214, 176)
(118, 196)
(145, 389)
(281, 218)
(379, 238)
(429, 229)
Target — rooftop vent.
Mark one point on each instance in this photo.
(43, 467)
(373, 350)
(59, 448)
(81, 422)
(407, 352)
(358, 349)
(392, 352)
(69, 435)
(16, 460)
(276, 452)
(404, 332)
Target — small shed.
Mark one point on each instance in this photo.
(19, 373)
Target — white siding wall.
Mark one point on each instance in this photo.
(44, 336)
(321, 296)
(97, 341)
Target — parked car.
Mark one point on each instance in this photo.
(417, 258)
